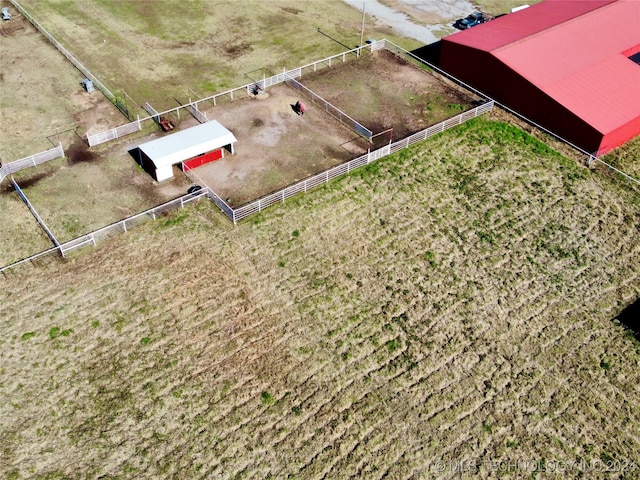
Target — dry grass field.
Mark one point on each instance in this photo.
(445, 309)
(452, 303)
(156, 51)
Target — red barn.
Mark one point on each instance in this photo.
(571, 66)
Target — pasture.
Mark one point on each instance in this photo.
(41, 99)
(451, 303)
(440, 311)
(157, 51)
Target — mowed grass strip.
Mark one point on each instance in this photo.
(452, 302)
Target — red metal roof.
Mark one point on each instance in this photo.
(576, 51)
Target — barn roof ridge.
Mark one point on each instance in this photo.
(560, 24)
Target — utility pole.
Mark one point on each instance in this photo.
(362, 29)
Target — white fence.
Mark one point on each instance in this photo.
(335, 112)
(31, 161)
(153, 112)
(34, 212)
(324, 177)
(121, 226)
(274, 80)
(114, 133)
(197, 114)
(124, 225)
(230, 95)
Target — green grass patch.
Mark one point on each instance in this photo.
(176, 218)
(393, 345)
(266, 398)
(28, 335)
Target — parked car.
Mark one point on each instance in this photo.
(476, 18)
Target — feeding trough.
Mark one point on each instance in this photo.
(88, 85)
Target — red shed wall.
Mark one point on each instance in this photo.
(203, 159)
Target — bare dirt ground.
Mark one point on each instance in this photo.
(276, 146)
(447, 308)
(382, 91)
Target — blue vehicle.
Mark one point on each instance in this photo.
(476, 18)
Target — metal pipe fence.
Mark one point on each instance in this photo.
(128, 223)
(211, 195)
(31, 161)
(153, 112)
(114, 133)
(335, 112)
(46, 254)
(201, 117)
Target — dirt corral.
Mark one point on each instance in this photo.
(383, 91)
(277, 146)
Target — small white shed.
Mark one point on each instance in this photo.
(159, 156)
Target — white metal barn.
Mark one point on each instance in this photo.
(193, 147)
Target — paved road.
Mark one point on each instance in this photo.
(425, 16)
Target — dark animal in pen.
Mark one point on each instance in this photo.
(300, 108)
